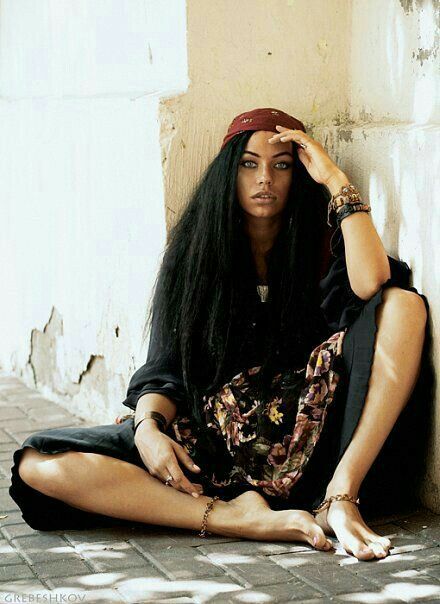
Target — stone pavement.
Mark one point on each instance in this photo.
(143, 563)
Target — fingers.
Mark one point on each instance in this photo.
(181, 482)
(298, 136)
(160, 459)
(183, 456)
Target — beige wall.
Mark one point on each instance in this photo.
(248, 54)
(361, 76)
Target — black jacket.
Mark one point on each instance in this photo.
(340, 307)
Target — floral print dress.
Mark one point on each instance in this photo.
(267, 442)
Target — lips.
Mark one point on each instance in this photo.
(264, 199)
(263, 195)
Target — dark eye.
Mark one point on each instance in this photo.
(246, 161)
(249, 161)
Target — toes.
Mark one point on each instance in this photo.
(368, 551)
(354, 545)
(314, 533)
(369, 537)
(318, 539)
(378, 549)
(363, 552)
(386, 543)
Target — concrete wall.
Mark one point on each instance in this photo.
(390, 146)
(81, 188)
(105, 128)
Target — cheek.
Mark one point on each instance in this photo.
(287, 181)
(243, 184)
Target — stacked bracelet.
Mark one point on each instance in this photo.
(161, 420)
(347, 194)
(348, 209)
(209, 505)
(347, 201)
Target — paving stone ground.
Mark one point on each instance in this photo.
(144, 563)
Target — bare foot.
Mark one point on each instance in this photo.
(344, 520)
(260, 522)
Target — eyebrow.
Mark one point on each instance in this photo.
(276, 154)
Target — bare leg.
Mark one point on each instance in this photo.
(102, 484)
(399, 341)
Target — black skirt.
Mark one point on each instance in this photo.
(389, 487)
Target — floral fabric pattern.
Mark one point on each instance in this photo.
(267, 440)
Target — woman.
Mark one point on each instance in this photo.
(268, 369)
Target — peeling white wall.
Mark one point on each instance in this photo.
(81, 189)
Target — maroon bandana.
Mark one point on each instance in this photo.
(261, 119)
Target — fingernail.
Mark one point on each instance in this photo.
(195, 494)
(196, 467)
(315, 540)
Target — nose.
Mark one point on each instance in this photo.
(264, 177)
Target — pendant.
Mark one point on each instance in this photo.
(263, 292)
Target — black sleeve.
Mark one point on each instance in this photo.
(162, 373)
(340, 305)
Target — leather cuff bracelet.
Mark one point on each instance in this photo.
(160, 419)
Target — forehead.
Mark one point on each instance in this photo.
(261, 135)
(258, 143)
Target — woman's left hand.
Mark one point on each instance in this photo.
(311, 153)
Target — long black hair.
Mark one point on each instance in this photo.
(200, 290)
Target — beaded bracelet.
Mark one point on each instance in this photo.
(209, 505)
(348, 196)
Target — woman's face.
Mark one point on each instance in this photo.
(264, 167)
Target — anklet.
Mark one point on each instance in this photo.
(209, 505)
(327, 502)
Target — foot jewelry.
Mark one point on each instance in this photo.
(340, 497)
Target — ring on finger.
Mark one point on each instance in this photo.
(168, 480)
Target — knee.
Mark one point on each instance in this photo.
(405, 304)
(31, 471)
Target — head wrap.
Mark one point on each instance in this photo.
(261, 119)
(266, 119)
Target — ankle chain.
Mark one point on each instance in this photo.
(209, 505)
(340, 497)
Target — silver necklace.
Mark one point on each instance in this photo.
(263, 292)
